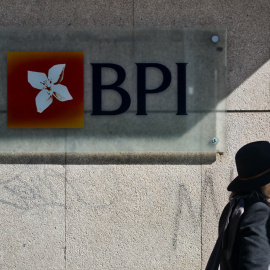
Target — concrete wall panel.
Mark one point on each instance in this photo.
(133, 217)
(253, 93)
(66, 13)
(32, 224)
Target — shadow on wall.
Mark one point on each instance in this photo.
(112, 158)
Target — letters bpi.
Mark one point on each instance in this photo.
(141, 87)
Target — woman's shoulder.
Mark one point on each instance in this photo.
(255, 205)
(254, 210)
(256, 217)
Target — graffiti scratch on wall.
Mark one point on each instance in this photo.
(26, 192)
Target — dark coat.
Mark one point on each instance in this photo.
(251, 249)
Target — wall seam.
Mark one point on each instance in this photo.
(133, 15)
(65, 209)
(247, 111)
(201, 212)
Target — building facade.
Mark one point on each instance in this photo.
(133, 211)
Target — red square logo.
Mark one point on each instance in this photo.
(45, 89)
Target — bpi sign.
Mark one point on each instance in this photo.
(53, 84)
(142, 91)
(80, 79)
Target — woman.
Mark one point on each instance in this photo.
(244, 226)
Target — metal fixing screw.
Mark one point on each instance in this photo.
(215, 39)
(215, 140)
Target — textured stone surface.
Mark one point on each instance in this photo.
(32, 214)
(253, 93)
(242, 128)
(133, 217)
(66, 13)
(247, 40)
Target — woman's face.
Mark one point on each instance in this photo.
(266, 189)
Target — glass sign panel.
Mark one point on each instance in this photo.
(112, 90)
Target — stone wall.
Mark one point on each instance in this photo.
(132, 211)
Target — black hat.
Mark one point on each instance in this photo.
(253, 166)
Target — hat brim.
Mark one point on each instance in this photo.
(247, 185)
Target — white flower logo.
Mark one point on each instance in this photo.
(49, 86)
